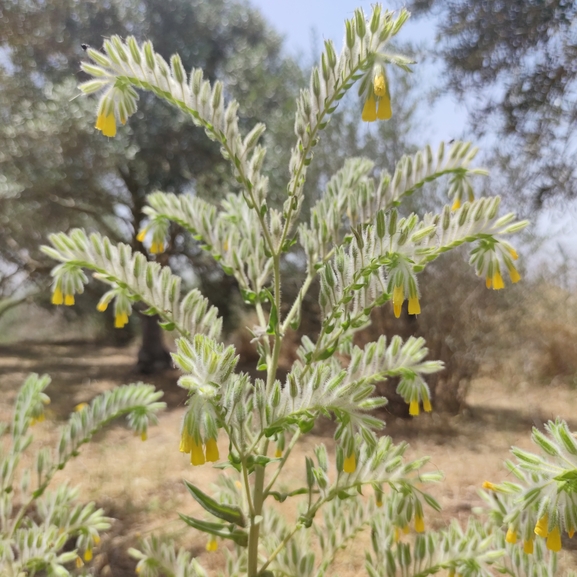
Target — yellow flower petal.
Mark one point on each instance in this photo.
(414, 306)
(80, 407)
(419, 524)
(57, 297)
(513, 253)
(528, 546)
(397, 536)
(541, 528)
(141, 235)
(143, 436)
(498, 281)
(212, 544)
(489, 486)
(384, 111)
(278, 453)
(212, 451)
(511, 536)
(571, 532)
(185, 442)
(427, 405)
(370, 109)
(350, 464)
(109, 125)
(79, 563)
(456, 204)
(398, 298)
(553, 542)
(99, 121)
(88, 555)
(514, 274)
(68, 300)
(414, 408)
(379, 85)
(101, 306)
(196, 454)
(488, 282)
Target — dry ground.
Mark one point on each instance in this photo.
(140, 484)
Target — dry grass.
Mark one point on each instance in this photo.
(140, 484)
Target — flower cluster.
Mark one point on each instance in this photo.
(199, 454)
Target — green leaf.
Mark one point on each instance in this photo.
(239, 536)
(220, 510)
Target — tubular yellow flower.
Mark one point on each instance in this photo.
(79, 563)
(427, 405)
(106, 124)
(398, 298)
(456, 204)
(68, 300)
(571, 532)
(57, 297)
(511, 536)
(278, 453)
(141, 235)
(96, 539)
(498, 281)
(350, 464)
(196, 454)
(80, 407)
(88, 554)
(513, 253)
(528, 546)
(414, 408)
(120, 320)
(553, 542)
(414, 306)
(212, 451)
(489, 486)
(143, 436)
(370, 109)
(384, 111)
(513, 273)
(541, 528)
(157, 247)
(185, 442)
(488, 282)
(379, 85)
(101, 306)
(212, 544)
(419, 523)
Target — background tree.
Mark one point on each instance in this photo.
(518, 61)
(57, 172)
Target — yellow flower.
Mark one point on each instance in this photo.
(497, 281)
(196, 453)
(513, 273)
(68, 300)
(80, 407)
(141, 235)
(212, 544)
(57, 297)
(79, 563)
(350, 464)
(513, 253)
(541, 528)
(88, 554)
(96, 539)
(185, 442)
(278, 453)
(571, 532)
(489, 486)
(397, 536)
(488, 282)
(456, 204)
(553, 542)
(414, 306)
(380, 89)
(427, 405)
(398, 298)
(370, 109)
(419, 523)
(212, 451)
(120, 319)
(414, 408)
(528, 546)
(511, 536)
(406, 529)
(157, 247)
(143, 436)
(106, 124)
(102, 306)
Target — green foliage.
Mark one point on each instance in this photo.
(365, 254)
(38, 525)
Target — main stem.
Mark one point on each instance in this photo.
(259, 471)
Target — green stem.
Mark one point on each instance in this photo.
(283, 461)
(254, 532)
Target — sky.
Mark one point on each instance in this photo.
(306, 22)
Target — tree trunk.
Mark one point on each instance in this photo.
(152, 356)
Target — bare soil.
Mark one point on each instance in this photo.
(139, 484)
